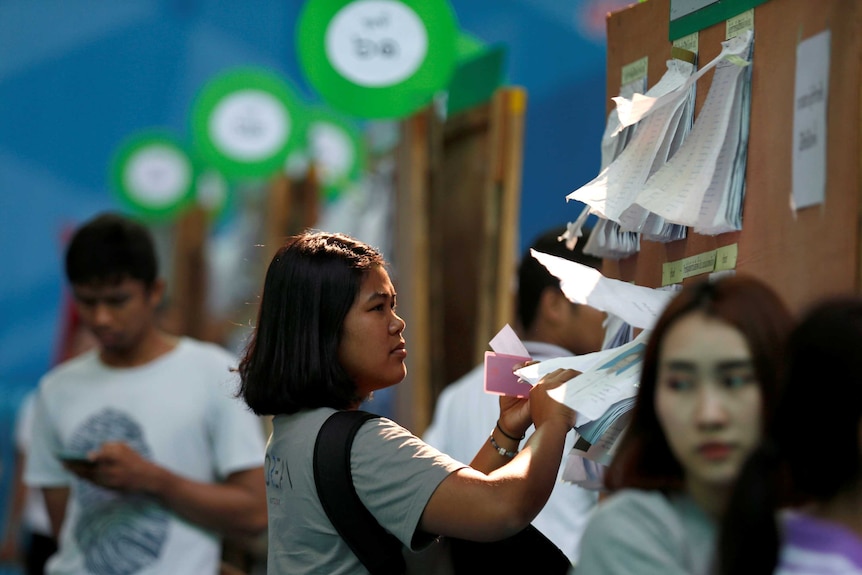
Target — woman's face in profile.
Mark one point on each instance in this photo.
(707, 400)
(372, 349)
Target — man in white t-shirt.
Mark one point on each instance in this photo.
(144, 454)
(551, 326)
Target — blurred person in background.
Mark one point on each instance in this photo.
(797, 507)
(708, 385)
(143, 453)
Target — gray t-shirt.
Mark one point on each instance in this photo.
(648, 533)
(394, 474)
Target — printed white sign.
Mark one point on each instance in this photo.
(249, 125)
(811, 97)
(157, 176)
(376, 43)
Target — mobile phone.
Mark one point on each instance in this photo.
(500, 378)
(75, 457)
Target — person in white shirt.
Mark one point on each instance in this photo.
(550, 326)
(144, 454)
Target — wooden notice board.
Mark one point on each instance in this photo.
(804, 255)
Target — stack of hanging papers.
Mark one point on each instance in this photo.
(702, 183)
(602, 395)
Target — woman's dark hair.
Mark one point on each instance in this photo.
(291, 361)
(110, 248)
(644, 459)
(822, 398)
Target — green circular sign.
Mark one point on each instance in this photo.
(335, 146)
(245, 122)
(377, 58)
(153, 175)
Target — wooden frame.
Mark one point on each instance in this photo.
(458, 195)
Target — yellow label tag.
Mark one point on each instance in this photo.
(722, 259)
(671, 273)
(698, 264)
(726, 257)
(687, 42)
(635, 70)
(739, 24)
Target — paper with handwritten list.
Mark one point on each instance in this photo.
(694, 186)
(663, 177)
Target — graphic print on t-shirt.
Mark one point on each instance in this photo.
(118, 534)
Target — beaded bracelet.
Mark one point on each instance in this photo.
(501, 450)
(507, 435)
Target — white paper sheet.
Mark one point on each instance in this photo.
(613, 191)
(640, 105)
(507, 342)
(694, 176)
(638, 306)
(606, 378)
(811, 97)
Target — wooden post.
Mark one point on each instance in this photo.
(411, 257)
(458, 192)
(189, 287)
(495, 296)
(291, 207)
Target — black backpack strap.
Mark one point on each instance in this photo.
(379, 550)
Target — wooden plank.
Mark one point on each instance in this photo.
(458, 192)
(514, 111)
(459, 211)
(499, 250)
(411, 257)
(189, 289)
(292, 206)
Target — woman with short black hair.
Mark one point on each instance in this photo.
(327, 336)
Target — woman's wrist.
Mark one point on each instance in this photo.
(557, 424)
(506, 433)
(503, 445)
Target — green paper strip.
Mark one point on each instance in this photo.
(476, 78)
(635, 70)
(721, 259)
(725, 257)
